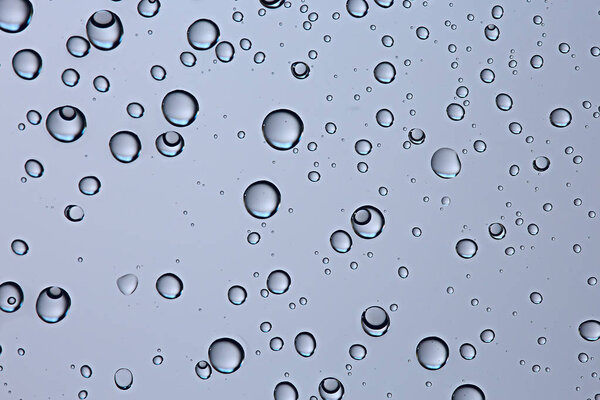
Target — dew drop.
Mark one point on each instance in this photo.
(278, 282)
(367, 222)
(375, 321)
(180, 107)
(127, 284)
(466, 248)
(52, 304)
(125, 146)
(27, 63)
(340, 241)
(11, 297)
(169, 286)
(445, 163)
(203, 34)
(282, 129)
(262, 199)
(123, 378)
(432, 353)
(170, 143)
(305, 344)
(66, 124)
(104, 30)
(226, 355)
(15, 15)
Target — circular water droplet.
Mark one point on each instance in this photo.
(537, 61)
(331, 389)
(70, 77)
(34, 117)
(101, 84)
(188, 59)
(422, 32)
(363, 147)
(34, 168)
(300, 70)
(15, 15)
(125, 146)
(305, 344)
(487, 75)
(203, 370)
(104, 30)
(123, 378)
(468, 392)
(340, 241)
(86, 371)
(127, 284)
(416, 136)
(170, 144)
(89, 185)
(180, 108)
(497, 230)
(375, 321)
(276, 343)
(19, 247)
(445, 163)
(237, 295)
(491, 32)
(285, 391)
(27, 63)
(11, 296)
(560, 117)
(74, 213)
(367, 222)
(541, 163)
(203, 34)
(278, 282)
(157, 360)
(169, 286)
(384, 118)
(590, 330)
(66, 124)
(225, 51)
(357, 8)
(487, 336)
(358, 352)
(135, 110)
(497, 12)
(467, 351)
(78, 46)
(504, 102)
(158, 73)
(455, 112)
(432, 353)
(535, 297)
(282, 129)
(262, 199)
(466, 248)
(226, 355)
(53, 304)
(148, 8)
(385, 72)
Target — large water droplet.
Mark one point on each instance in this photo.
(15, 15)
(467, 351)
(560, 117)
(331, 389)
(89, 185)
(180, 108)
(225, 51)
(104, 30)
(169, 286)
(385, 72)
(170, 144)
(203, 34)
(123, 378)
(466, 248)
(34, 168)
(285, 391)
(125, 146)
(455, 112)
(497, 230)
(491, 32)
(504, 102)
(340, 241)
(358, 351)
(278, 282)
(11, 297)
(432, 353)
(226, 355)
(66, 123)
(236, 295)
(148, 8)
(52, 304)
(78, 46)
(367, 222)
(468, 392)
(375, 321)
(203, 370)
(282, 129)
(357, 8)
(445, 163)
(262, 199)
(305, 344)
(127, 284)
(27, 64)
(590, 330)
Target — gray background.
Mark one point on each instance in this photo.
(136, 224)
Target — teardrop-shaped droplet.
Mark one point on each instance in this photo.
(226, 355)
(53, 304)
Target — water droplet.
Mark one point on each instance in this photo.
(282, 129)
(170, 144)
(34, 168)
(203, 370)
(466, 248)
(432, 353)
(560, 117)
(285, 391)
(445, 163)
(237, 295)
(331, 389)
(416, 136)
(535, 297)
(78, 46)
(497, 230)
(278, 282)
(340, 241)
(226, 355)
(70, 77)
(74, 213)
(422, 32)
(385, 72)
(104, 30)
(11, 296)
(367, 222)
(169, 286)
(66, 124)
(158, 73)
(34, 117)
(27, 63)
(467, 351)
(504, 102)
(86, 371)
(384, 118)
(123, 378)
(492, 32)
(300, 70)
(375, 321)
(52, 304)
(468, 392)
(455, 112)
(127, 284)
(15, 15)
(89, 185)
(497, 12)
(148, 8)
(180, 108)
(203, 34)
(157, 360)
(225, 51)
(537, 61)
(305, 344)
(262, 199)
(272, 3)
(487, 336)
(101, 84)
(135, 110)
(276, 344)
(357, 8)
(541, 163)
(590, 330)
(125, 146)
(19, 247)
(358, 352)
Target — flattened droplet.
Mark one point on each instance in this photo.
(226, 355)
